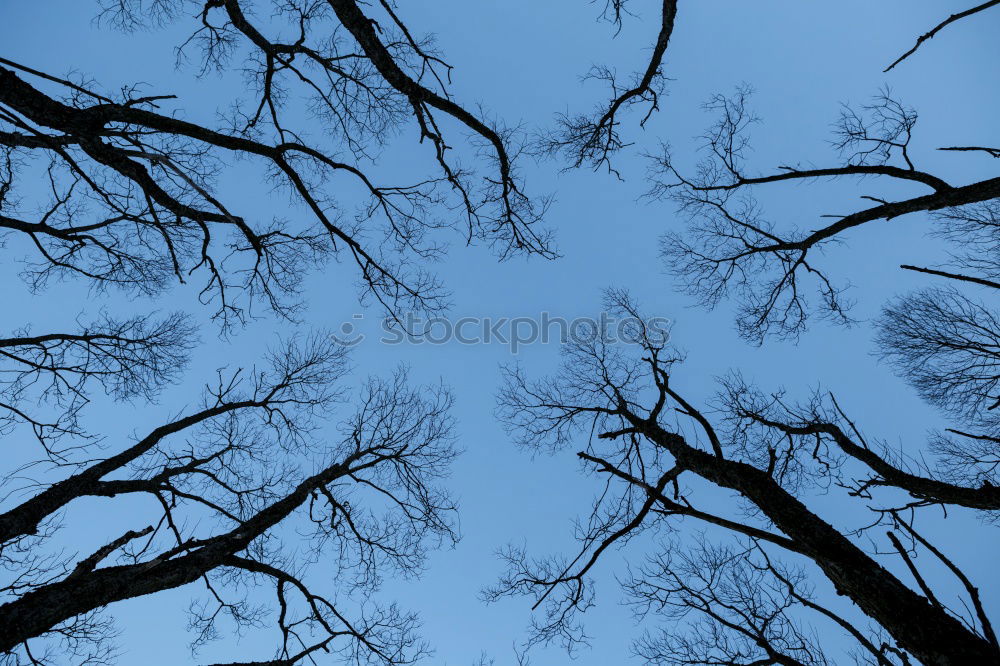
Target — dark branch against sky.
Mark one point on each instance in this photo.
(196, 199)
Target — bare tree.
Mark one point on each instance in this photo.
(725, 592)
(593, 139)
(224, 480)
(127, 359)
(732, 247)
(738, 608)
(249, 487)
(131, 197)
(664, 460)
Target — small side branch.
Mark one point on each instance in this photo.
(933, 31)
(953, 276)
(992, 152)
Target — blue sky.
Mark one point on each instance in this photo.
(522, 61)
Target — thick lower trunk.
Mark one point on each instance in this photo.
(45, 608)
(48, 606)
(923, 629)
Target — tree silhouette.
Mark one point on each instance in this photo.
(722, 496)
(253, 484)
(731, 247)
(666, 461)
(283, 474)
(131, 200)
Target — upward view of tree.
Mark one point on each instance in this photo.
(128, 200)
(144, 179)
(285, 476)
(740, 589)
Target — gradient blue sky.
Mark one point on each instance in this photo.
(522, 61)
